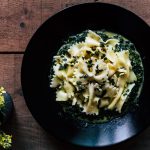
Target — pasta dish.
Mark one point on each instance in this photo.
(93, 74)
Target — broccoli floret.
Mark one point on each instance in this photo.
(5, 140)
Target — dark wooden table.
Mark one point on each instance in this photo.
(19, 19)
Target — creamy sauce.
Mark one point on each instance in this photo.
(74, 112)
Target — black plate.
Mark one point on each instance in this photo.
(37, 62)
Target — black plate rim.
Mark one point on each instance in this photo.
(55, 14)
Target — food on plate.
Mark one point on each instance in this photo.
(96, 71)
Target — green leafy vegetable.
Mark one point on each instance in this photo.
(63, 67)
(5, 140)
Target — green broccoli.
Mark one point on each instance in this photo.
(5, 140)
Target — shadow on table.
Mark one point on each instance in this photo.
(140, 142)
(28, 135)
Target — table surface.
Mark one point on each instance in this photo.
(19, 19)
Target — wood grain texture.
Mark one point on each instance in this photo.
(27, 134)
(139, 7)
(19, 19)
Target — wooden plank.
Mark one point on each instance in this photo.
(139, 7)
(27, 134)
(49, 7)
(7, 72)
(19, 19)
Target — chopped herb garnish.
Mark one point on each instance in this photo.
(94, 48)
(103, 93)
(97, 53)
(117, 48)
(124, 94)
(78, 82)
(89, 63)
(84, 76)
(105, 58)
(103, 36)
(88, 52)
(98, 70)
(80, 87)
(112, 81)
(103, 55)
(102, 44)
(64, 59)
(132, 46)
(63, 67)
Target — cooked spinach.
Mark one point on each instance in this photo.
(75, 112)
(63, 67)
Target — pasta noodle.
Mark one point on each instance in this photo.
(93, 75)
